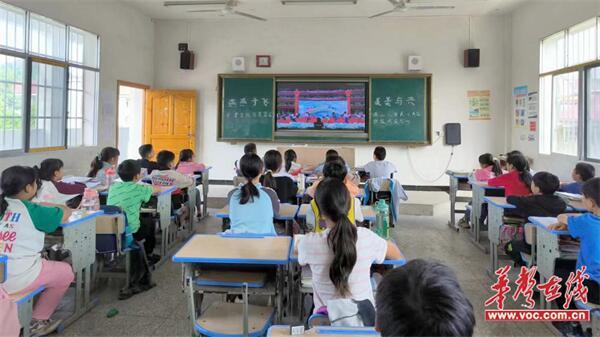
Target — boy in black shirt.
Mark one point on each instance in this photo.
(146, 152)
(543, 202)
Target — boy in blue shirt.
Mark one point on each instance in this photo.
(581, 173)
(586, 228)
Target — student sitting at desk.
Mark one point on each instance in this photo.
(335, 170)
(251, 207)
(379, 167)
(543, 202)
(129, 196)
(581, 173)
(248, 149)
(291, 166)
(147, 152)
(53, 189)
(165, 175)
(586, 228)
(420, 286)
(24, 224)
(186, 164)
(489, 167)
(331, 154)
(518, 180)
(278, 179)
(108, 158)
(341, 256)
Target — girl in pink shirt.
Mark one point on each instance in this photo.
(186, 163)
(490, 168)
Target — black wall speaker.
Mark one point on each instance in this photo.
(186, 60)
(471, 58)
(452, 134)
(182, 46)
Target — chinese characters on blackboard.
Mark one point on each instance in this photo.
(394, 110)
(249, 108)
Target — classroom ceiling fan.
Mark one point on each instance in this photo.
(405, 6)
(229, 8)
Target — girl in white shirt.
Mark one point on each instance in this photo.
(341, 256)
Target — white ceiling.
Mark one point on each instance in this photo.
(273, 9)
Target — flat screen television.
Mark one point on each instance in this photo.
(324, 105)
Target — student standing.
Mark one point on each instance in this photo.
(341, 256)
(25, 224)
(250, 207)
(379, 167)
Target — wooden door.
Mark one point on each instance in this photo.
(170, 120)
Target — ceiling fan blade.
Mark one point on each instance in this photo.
(204, 11)
(232, 3)
(431, 7)
(249, 15)
(193, 3)
(382, 13)
(395, 2)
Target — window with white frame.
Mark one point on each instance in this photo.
(569, 92)
(49, 74)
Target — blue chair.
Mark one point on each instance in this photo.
(24, 300)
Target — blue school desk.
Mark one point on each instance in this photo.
(545, 249)
(496, 207)
(252, 250)
(79, 237)
(458, 182)
(479, 192)
(331, 331)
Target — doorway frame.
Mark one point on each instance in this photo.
(132, 85)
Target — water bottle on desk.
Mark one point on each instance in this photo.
(90, 201)
(111, 175)
(382, 223)
(301, 182)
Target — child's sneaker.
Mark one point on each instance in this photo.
(43, 327)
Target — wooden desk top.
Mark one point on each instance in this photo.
(284, 331)
(577, 205)
(201, 248)
(80, 217)
(544, 222)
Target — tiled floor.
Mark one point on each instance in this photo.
(162, 310)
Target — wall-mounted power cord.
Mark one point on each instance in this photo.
(410, 161)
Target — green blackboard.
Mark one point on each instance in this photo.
(247, 108)
(399, 110)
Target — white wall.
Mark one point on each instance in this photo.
(126, 53)
(349, 46)
(531, 23)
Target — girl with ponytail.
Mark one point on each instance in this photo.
(341, 256)
(108, 157)
(252, 207)
(489, 168)
(517, 181)
(23, 225)
(278, 179)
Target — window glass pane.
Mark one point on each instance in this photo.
(553, 52)
(83, 107)
(565, 113)
(593, 114)
(582, 42)
(83, 47)
(12, 27)
(12, 71)
(545, 114)
(47, 37)
(47, 127)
